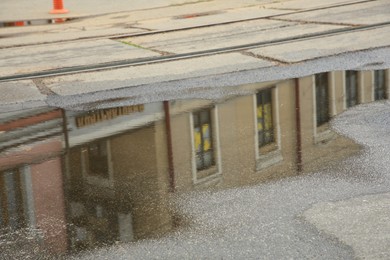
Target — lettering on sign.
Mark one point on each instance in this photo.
(106, 114)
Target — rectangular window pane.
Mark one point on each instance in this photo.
(351, 87)
(379, 84)
(196, 120)
(11, 200)
(204, 117)
(322, 98)
(98, 159)
(203, 141)
(13, 217)
(264, 117)
(208, 159)
(197, 140)
(199, 162)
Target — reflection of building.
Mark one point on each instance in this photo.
(117, 182)
(31, 192)
(121, 162)
(278, 130)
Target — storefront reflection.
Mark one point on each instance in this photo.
(77, 180)
(71, 181)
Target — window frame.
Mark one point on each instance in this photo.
(202, 153)
(19, 199)
(96, 179)
(347, 90)
(322, 133)
(269, 154)
(375, 88)
(214, 171)
(324, 105)
(260, 95)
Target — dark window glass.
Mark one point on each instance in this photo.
(11, 201)
(203, 139)
(98, 159)
(322, 98)
(351, 87)
(379, 84)
(265, 126)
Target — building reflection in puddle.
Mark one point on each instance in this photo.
(74, 180)
(117, 178)
(32, 203)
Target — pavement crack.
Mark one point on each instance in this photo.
(43, 89)
(283, 9)
(163, 53)
(141, 28)
(257, 56)
(311, 22)
(189, 3)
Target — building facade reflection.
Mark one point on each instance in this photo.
(117, 179)
(32, 209)
(83, 179)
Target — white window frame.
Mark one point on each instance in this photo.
(96, 180)
(273, 157)
(217, 150)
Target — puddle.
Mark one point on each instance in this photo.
(73, 181)
(35, 22)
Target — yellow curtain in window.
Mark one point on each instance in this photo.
(259, 118)
(206, 137)
(197, 139)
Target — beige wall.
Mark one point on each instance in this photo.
(140, 181)
(307, 110)
(339, 81)
(288, 123)
(182, 155)
(368, 86)
(140, 157)
(237, 137)
(237, 134)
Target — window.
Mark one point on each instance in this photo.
(379, 84)
(11, 201)
(351, 88)
(322, 98)
(267, 141)
(95, 157)
(265, 126)
(203, 140)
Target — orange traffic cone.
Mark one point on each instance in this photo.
(58, 7)
(19, 23)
